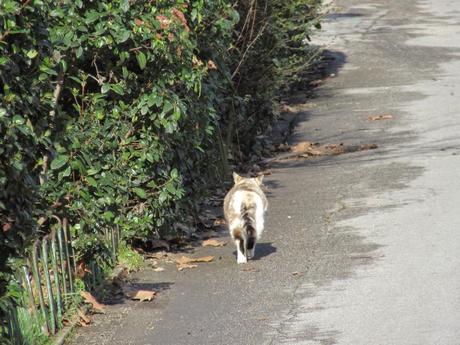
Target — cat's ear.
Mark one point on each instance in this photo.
(259, 179)
(236, 178)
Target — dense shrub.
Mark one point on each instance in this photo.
(137, 130)
(270, 51)
(24, 126)
(123, 113)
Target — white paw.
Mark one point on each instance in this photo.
(241, 260)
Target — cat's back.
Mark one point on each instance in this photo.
(245, 191)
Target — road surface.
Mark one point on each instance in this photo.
(373, 235)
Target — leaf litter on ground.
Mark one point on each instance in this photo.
(188, 262)
(308, 149)
(91, 300)
(84, 320)
(212, 242)
(141, 295)
(380, 117)
(181, 267)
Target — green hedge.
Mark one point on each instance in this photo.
(123, 113)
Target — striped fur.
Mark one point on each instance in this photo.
(244, 208)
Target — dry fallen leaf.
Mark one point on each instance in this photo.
(158, 269)
(82, 269)
(187, 260)
(301, 147)
(85, 320)
(297, 274)
(181, 267)
(90, 299)
(380, 117)
(307, 149)
(211, 65)
(213, 243)
(6, 227)
(141, 295)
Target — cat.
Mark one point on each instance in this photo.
(244, 208)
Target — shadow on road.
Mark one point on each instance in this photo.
(118, 297)
(264, 249)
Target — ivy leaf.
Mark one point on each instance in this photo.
(163, 196)
(170, 188)
(105, 88)
(140, 192)
(59, 162)
(18, 120)
(92, 171)
(91, 181)
(124, 36)
(124, 5)
(118, 88)
(79, 52)
(167, 107)
(32, 53)
(125, 72)
(141, 60)
(67, 172)
(108, 215)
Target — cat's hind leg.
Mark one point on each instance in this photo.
(240, 250)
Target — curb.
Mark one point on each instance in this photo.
(61, 336)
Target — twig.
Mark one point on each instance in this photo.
(247, 49)
(57, 93)
(248, 15)
(100, 79)
(253, 20)
(4, 35)
(42, 177)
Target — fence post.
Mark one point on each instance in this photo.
(13, 326)
(30, 291)
(63, 261)
(49, 287)
(56, 274)
(38, 282)
(54, 260)
(66, 248)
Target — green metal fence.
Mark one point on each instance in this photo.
(47, 279)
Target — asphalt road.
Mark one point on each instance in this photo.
(374, 235)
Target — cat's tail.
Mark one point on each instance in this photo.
(243, 230)
(249, 221)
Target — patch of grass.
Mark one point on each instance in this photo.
(129, 258)
(31, 331)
